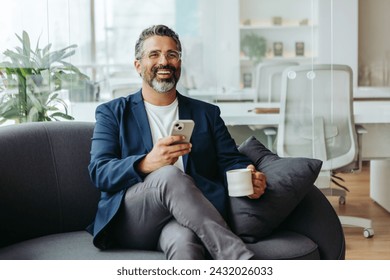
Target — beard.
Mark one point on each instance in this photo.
(161, 85)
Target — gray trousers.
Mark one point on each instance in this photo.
(168, 212)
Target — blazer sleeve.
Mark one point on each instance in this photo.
(108, 170)
(228, 155)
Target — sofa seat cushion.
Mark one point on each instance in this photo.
(78, 246)
(285, 245)
(75, 245)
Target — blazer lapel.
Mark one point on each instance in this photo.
(138, 109)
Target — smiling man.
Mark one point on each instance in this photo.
(160, 77)
(157, 194)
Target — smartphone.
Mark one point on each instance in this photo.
(183, 127)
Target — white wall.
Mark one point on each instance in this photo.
(220, 21)
(338, 33)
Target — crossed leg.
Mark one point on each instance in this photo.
(168, 198)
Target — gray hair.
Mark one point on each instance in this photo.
(159, 30)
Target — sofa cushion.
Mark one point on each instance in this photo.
(75, 245)
(288, 180)
(78, 246)
(285, 245)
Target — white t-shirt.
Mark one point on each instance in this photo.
(160, 120)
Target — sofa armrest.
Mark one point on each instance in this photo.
(315, 218)
(44, 185)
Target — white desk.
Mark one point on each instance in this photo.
(240, 113)
(371, 112)
(224, 94)
(236, 113)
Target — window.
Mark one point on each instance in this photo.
(106, 30)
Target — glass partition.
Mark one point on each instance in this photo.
(218, 60)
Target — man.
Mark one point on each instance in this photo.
(156, 194)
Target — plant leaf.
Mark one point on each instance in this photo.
(20, 39)
(66, 55)
(46, 49)
(26, 44)
(33, 115)
(18, 60)
(62, 115)
(35, 102)
(33, 97)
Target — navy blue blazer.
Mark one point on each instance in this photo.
(122, 137)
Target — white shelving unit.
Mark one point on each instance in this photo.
(288, 35)
(299, 23)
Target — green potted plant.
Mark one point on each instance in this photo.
(31, 81)
(254, 46)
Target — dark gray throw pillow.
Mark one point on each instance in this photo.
(288, 181)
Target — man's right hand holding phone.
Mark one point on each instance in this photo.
(165, 152)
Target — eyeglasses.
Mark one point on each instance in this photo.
(171, 56)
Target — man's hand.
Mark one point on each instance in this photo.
(164, 152)
(258, 181)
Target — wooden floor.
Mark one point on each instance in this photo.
(359, 203)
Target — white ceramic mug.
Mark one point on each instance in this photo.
(239, 182)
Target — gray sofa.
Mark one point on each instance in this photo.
(47, 201)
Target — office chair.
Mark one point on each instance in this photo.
(268, 80)
(317, 122)
(268, 88)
